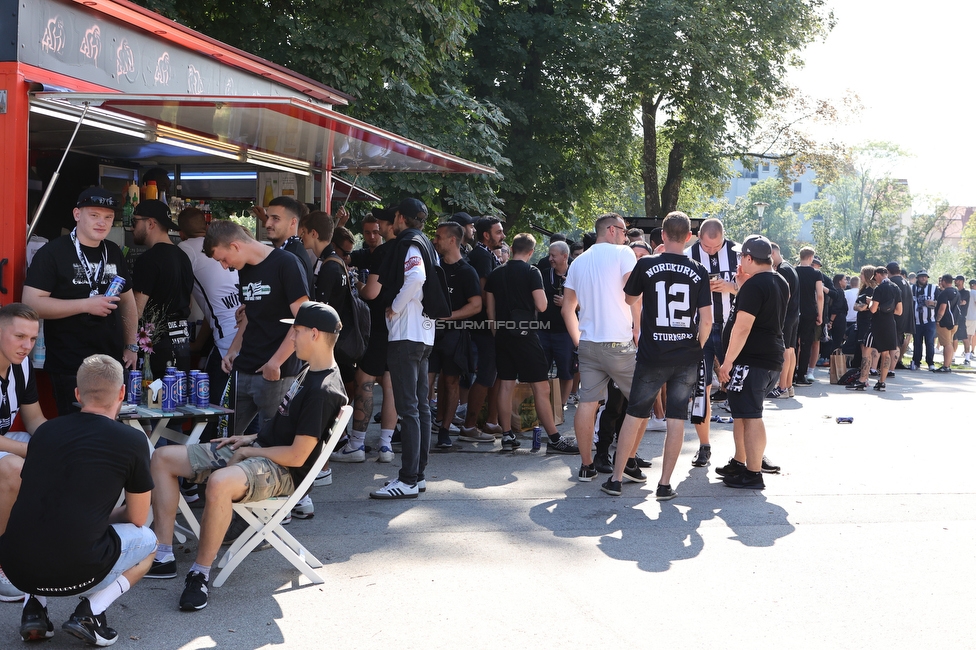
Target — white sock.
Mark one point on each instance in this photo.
(100, 601)
(164, 553)
(386, 438)
(41, 599)
(356, 439)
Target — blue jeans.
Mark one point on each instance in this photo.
(924, 333)
(408, 372)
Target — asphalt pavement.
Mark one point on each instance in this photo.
(865, 540)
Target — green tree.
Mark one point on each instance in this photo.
(398, 60)
(780, 223)
(926, 235)
(704, 74)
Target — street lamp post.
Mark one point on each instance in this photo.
(760, 208)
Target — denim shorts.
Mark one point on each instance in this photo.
(138, 542)
(648, 381)
(265, 478)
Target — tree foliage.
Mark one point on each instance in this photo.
(780, 223)
(704, 74)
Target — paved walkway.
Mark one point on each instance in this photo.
(864, 541)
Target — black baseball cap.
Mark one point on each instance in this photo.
(316, 315)
(412, 208)
(462, 218)
(153, 209)
(961, 277)
(756, 246)
(97, 197)
(385, 214)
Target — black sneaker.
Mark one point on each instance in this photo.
(745, 480)
(943, 369)
(162, 570)
(703, 456)
(880, 387)
(586, 473)
(643, 464)
(235, 530)
(565, 446)
(34, 623)
(802, 381)
(510, 442)
(891, 375)
(634, 474)
(857, 384)
(733, 468)
(664, 493)
(195, 592)
(89, 627)
(602, 464)
(611, 487)
(768, 467)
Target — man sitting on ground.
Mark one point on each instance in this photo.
(65, 536)
(252, 467)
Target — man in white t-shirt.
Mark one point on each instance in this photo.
(215, 291)
(607, 330)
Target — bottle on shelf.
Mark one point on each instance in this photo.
(151, 192)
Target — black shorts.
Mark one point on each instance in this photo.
(487, 370)
(444, 355)
(961, 334)
(520, 356)
(747, 388)
(883, 336)
(648, 380)
(790, 328)
(373, 362)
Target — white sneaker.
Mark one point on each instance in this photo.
(473, 434)
(349, 454)
(9, 593)
(324, 478)
(396, 489)
(653, 424)
(304, 509)
(386, 455)
(460, 414)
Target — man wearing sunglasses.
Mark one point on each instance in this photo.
(66, 284)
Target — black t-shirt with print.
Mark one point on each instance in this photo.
(462, 282)
(267, 291)
(950, 298)
(808, 279)
(56, 269)
(165, 274)
(674, 287)
(59, 541)
(309, 408)
(765, 296)
(552, 317)
(512, 286)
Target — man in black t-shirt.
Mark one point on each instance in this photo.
(490, 235)
(676, 321)
(66, 284)
(811, 296)
(452, 340)
(947, 320)
(514, 294)
(753, 342)
(66, 537)
(962, 333)
(360, 257)
(273, 287)
(790, 326)
(885, 307)
(253, 467)
(18, 394)
(162, 281)
(553, 335)
(281, 224)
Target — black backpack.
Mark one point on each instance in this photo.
(354, 337)
(436, 300)
(849, 377)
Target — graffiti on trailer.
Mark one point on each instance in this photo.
(53, 40)
(124, 60)
(162, 70)
(91, 44)
(229, 86)
(194, 81)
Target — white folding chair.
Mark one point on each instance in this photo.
(264, 518)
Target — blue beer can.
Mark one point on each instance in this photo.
(203, 390)
(115, 287)
(536, 438)
(191, 387)
(180, 388)
(133, 387)
(169, 392)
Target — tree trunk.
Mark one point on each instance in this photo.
(652, 197)
(672, 184)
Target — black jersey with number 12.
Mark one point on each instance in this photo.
(674, 288)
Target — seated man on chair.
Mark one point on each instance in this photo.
(251, 467)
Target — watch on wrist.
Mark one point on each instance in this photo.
(132, 347)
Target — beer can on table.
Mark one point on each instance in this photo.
(133, 387)
(202, 395)
(191, 387)
(181, 388)
(169, 392)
